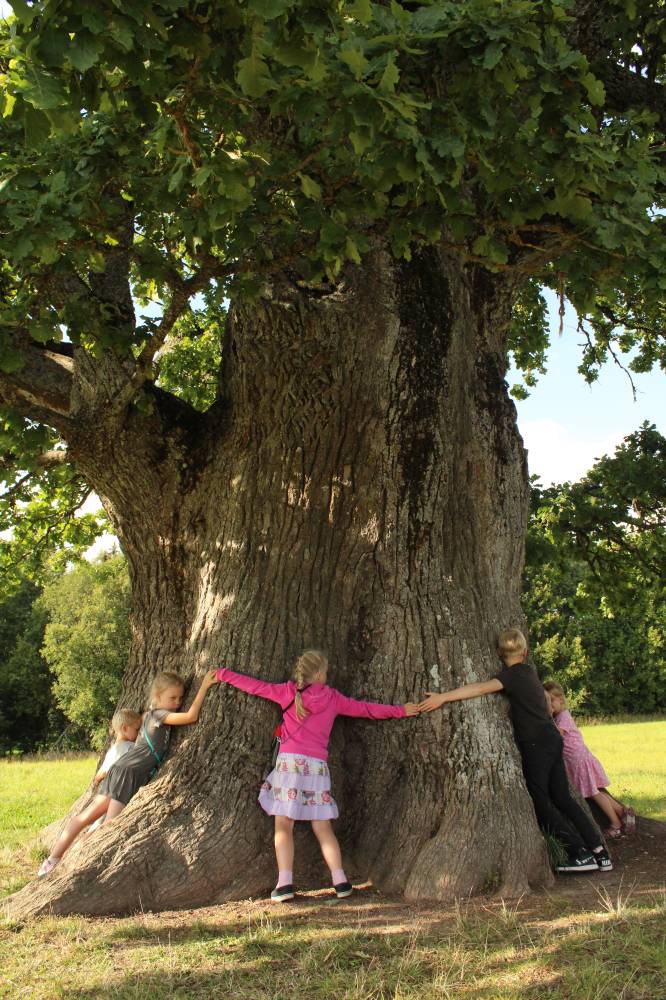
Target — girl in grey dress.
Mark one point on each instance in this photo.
(137, 766)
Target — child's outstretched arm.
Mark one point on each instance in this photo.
(192, 714)
(283, 694)
(434, 701)
(372, 709)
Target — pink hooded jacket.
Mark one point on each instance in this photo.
(310, 736)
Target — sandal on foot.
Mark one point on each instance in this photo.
(613, 832)
(47, 866)
(629, 820)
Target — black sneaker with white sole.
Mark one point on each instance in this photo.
(584, 861)
(282, 893)
(603, 860)
(343, 889)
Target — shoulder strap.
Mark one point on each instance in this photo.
(150, 744)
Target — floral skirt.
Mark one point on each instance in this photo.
(298, 787)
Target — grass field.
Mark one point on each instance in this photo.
(35, 792)
(634, 758)
(600, 945)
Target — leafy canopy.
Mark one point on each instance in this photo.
(245, 137)
(150, 151)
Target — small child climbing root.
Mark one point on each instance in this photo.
(124, 727)
(299, 786)
(135, 768)
(584, 770)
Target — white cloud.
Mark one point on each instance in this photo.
(557, 454)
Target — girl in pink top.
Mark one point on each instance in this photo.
(299, 786)
(584, 770)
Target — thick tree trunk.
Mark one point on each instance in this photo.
(362, 488)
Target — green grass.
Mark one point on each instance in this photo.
(36, 791)
(632, 754)
(547, 947)
(305, 953)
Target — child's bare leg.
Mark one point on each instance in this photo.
(608, 807)
(284, 849)
(330, 848)
(620, 807)
(97, 808)
(115, 809)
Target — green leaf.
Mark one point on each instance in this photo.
(353, 57)
(9, 102)
(361, 139)
(389, 77)
(595, 89)
(85, 50)
(269, 9)
(493, 55)
(42, 90)
(352, 250)
(310, 187)
(24, 13)
(11, 361)
(253, 75)
(361, 10)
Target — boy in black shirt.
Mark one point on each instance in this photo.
(540, 746)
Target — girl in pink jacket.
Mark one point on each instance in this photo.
(299, 786)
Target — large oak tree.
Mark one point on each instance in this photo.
(377, 190)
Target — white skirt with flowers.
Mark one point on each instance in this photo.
(298, 787)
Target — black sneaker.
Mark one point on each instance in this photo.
(603, 860)
(343, 889)
(584, 861)
(282, 893)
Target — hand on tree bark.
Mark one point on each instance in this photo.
(210, 678)
(411, 709)
(432, 702)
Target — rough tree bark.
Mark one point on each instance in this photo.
(359, 486)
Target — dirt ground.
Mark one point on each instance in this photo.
(639, 876)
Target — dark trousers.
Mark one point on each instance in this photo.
(556, 810)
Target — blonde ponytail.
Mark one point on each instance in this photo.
(309, 664)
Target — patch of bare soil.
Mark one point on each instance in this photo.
(638, 876)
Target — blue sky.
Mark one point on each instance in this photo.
(567, 424)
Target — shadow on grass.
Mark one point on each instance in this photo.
(503, 954)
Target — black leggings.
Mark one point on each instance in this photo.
(556, 810)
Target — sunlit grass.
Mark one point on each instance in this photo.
(34, 793)
(632, 754)
(300, 955)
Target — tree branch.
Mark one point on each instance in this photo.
(40, 389)
(144, 363)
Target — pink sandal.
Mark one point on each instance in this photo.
(47, 866)
(613, 832)
(629, 820)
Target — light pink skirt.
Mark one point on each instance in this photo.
(298, 787)
(586, 773)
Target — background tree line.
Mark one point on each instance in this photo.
(592, 596)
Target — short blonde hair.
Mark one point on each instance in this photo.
(160, 682)
(510, 642)
(124, 717)
(310, 663)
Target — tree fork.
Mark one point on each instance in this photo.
(368, 495)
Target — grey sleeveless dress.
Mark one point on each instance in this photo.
(135, 768)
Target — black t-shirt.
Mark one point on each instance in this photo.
(529, 711)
